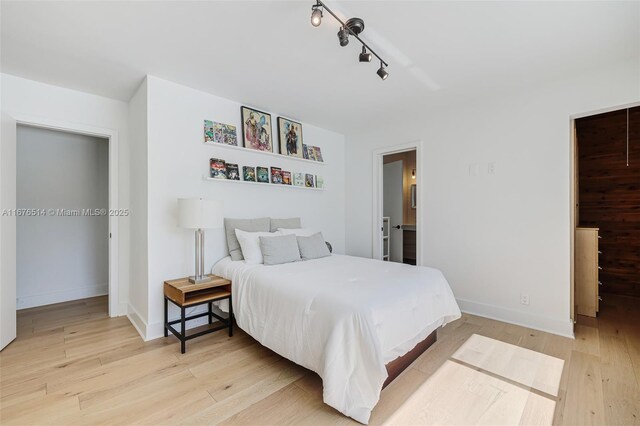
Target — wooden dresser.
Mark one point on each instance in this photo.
(587, 293)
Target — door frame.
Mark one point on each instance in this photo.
(112, 137)
(573, 194)
(377, 163)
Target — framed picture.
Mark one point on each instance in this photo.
(298, 179)
(249, 173)
(262, 174)
(290, 137)
(413, 196)
(225, 134)
(233, 173)
(218, 168)
(256, 129)
(308, 180)
(276, 175)
(286, 178)
(319, 182)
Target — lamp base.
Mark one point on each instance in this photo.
(200, 280)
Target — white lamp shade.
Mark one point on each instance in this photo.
(196, 213)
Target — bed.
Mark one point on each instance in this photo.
(356, 322)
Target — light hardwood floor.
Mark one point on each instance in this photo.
(71, 364)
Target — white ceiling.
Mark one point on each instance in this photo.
(268, 55)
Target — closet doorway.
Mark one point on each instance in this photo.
(606, 213)
(396, 204)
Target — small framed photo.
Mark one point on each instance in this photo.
(256, 129)
(319, 182)
(249, 173)
(290, 137)
(308, 180)
(286, 178)
(262, 174)
(218, 168)
(232, 172)
(298, 179)
(276, 175)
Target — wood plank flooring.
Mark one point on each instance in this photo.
(71, 364)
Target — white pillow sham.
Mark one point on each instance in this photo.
(250, 245)
(298, 232)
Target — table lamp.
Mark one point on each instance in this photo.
(199, 214)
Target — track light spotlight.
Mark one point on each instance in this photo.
(351, 27)
(316, 15)
(365, 56)
(343, 36)
(382, 73)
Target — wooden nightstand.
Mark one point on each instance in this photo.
(187, 295)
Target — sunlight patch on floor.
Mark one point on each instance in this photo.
(486, 382)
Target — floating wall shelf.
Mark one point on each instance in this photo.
(273, 154)
(270, 185)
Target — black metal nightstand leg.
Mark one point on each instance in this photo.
(166, 317)
(230, 317)
(210, 312)
(183, 331)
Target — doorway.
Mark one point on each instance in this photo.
(605, 204)
(8, 148)
(396, 206)
(62, 246)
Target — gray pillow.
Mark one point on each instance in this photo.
(313, 247)
(292, 223)
(281, 249)
(249, 225)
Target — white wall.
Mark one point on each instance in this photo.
(177, 161)
(139, 290)
(61, 258)
(22, 97)
(494, 236)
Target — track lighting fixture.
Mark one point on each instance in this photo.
(316, 15)
(365, 56)
(353, 27)
(343, 36)
(382, 72)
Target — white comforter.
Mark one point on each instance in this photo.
(343, 317)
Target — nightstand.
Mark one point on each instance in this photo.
(185, 294)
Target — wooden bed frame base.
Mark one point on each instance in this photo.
(398, 365)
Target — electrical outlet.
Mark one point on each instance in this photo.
(524, 299)
(491, 168)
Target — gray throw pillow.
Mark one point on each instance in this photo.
(313, 247)
(281, 249)
(292, 223)
(249, 225)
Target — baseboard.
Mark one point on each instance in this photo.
(537, 322)
(136, 320)
(35, 300)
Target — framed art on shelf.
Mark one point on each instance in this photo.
(256, 129)
(298, 179)
(218, 168)
(232, 172)
(276, 175)
(249, 173)
(308, 181)
(286, 178)
(220, 133)
(290, 137)
(262, 174)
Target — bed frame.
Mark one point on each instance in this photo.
(398, 365)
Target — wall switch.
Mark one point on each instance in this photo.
(491, 168)
(524, 299)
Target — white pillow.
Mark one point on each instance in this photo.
(298, 232)
(250, 245)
